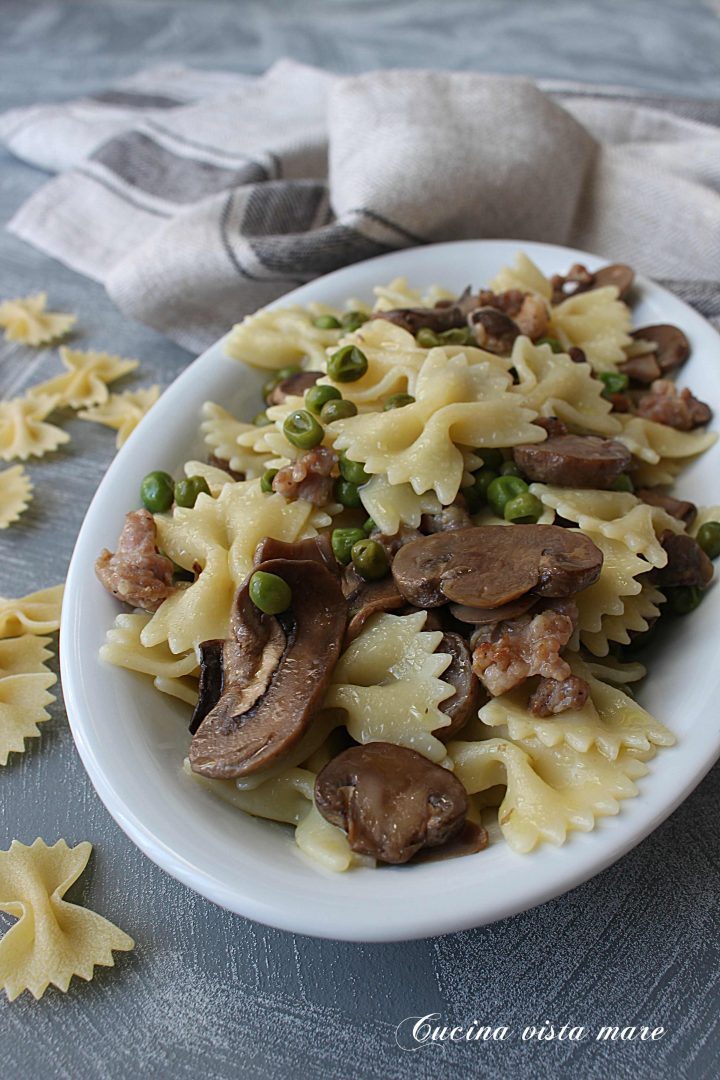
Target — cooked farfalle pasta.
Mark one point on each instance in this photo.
(36, 613)
(53, 939)
(26, 320)
(405, 438)
(84, 383)
(15, 494)
(24, 683)
(123, 412)
(388, 681)
(24, 432)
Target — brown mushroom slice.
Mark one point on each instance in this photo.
(618, 274)
(642, 369)
(574, 461)
(294, 386)
(368, 598)
(280, 671)
(687, 563)
(465, 702)
(465, 614)
(391, 801)
(491, 565)
(678, 508)
(672, 347)
(493, 330)
(317, 548)
(450, 316)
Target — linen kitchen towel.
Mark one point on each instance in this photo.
(197, 197)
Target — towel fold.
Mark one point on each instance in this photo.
(197, 197)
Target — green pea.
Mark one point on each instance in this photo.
(347, 493)
(301, 429)
(266, 480)
(482, 480)
(187, 491)
(462, 335)
(369, 527)
(262, 419)
(352, 470)
(509, 468)
(398, 401)
(427, 338)
(554, 344)
(270, 593)
(683, 599)
(708, 538)
(614, 382)
(317, 396)
(523, 509)
(347, 364)
(157, 492)
(327, 322)
(353, 320)
(492, 459)
(623, 483)
(342, 541)
(502, 490)
(370, 559)
(337, 410)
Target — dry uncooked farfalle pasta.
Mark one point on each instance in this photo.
(84, 382)
(15, 494)
(53, 939)
(123, 412)
(36, 613)
(23, 431)
(24, 682)
(26, 320)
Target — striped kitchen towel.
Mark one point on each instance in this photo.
(197, 197)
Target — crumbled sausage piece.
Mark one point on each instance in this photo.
(532, 318)
(553, 696)
(137, 574)
(310, 477)
(507, 653)
(678, 409)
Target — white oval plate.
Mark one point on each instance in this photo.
(132, 739)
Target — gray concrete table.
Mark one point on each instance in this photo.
(208, 994)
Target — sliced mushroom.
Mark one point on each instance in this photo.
(366, 598)
(465, 702)
(317, 548)
(391, 801)
(576, 461)
(672, 348)
(581, 280)
(465, 614)
(687, 563)
(275, 677)
(643, 369)
(491, 565)
(450, 316)
(294, 386)
(677, 508)
(617, 274)
(494, 330)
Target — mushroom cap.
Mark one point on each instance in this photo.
(490, 565)
(293, 386)
(390, 800)
(465, 702)
(673, 348)
(618, 274)
(577, 461)
(276, 672)
(687, 563)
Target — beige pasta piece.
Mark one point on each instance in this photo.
(601, 607)
(53, 939)
(638, 614)
(655, 443)
(523, 275)
(84, 383)
(457, 404)
(36, 613)
(123, 412)
(596, 322)
(394, 361)
(553, 385)
(24, 683)
(550, 791)
(23, 431)
(609, 721)
(170, 673)
(275, 339)
(398, 294)
(221, 433)
(15, 494)
(704, 514)
(388, 681)
(26, 320)
(393, 505)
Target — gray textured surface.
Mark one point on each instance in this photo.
(209, 994)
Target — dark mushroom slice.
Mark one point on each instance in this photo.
(671, 351)
(451, 316)
(293, 386)
(470, 839)
(491, 565)
(465, 702)
(481, 616)
(618, 274)
(390, 801)
(317, 548)
(687, 563)
(275, 679)
(575, 461)
(678, 508)
(493, 330)
(642, 369)
(366, 598)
